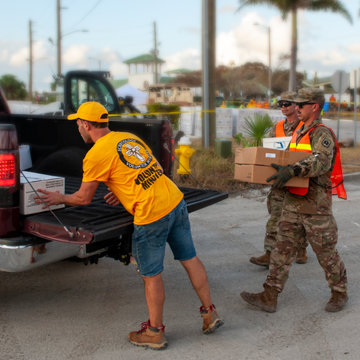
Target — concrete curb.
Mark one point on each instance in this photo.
(352, 176)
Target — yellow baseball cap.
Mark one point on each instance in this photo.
(91, 111)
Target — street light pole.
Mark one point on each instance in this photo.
(270, 72)
(58, 42)
(30, 61)
(268, 29)
(59, 37)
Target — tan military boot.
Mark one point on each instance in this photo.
(337, 301)
(149, 337)
(263, 260)
(211, 319)
(301, 256)
(266, 300)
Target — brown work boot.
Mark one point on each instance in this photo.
(337, 301)
(301, 256)
(211, 319)
(266, 300)
(149, 337)
(263, 260)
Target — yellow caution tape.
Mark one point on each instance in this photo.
(162, 113)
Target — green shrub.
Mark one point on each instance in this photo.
(255, 129)
(166, 109)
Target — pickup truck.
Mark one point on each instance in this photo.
(85, 233)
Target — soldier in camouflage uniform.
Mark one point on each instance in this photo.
(307, 215)
(275, 197)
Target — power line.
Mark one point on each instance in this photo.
(88, 13)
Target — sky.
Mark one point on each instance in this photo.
(117, 30)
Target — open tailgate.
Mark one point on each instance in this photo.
(99, 221)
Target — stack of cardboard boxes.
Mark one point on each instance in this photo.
(253, 164)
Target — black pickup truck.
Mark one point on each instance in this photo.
(83, 232)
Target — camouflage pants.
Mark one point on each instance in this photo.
(321, 232)
(275, 201)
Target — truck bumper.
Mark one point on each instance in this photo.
(26, 254)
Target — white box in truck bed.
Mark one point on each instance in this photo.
(38, 181)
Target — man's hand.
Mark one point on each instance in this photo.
(284, 174)
(111, 199)
(49, 198)
(81, 197)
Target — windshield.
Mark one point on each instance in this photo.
(88, 89)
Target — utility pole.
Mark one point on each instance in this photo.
(30, 61)
(270, 72)
(293, 56)
(58, 42)
(208, 73)
(155, 55)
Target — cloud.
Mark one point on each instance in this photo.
(76, 55)
(228, 8)
(189, 59)
(109, 55)
(118, 70)
(39, 51)
(4, 55)
(19, 58)
(354, 48)
(249, 42)
(246, 42)
(326, 57)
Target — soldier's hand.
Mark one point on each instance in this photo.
(283, 175)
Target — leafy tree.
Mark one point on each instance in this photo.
(192, 79)
(287, 7)
(14, 89)
(245, 81)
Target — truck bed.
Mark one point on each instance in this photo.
(99, 221)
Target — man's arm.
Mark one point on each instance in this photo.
(81, 197)
(323, 148)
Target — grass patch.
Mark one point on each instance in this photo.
(209, 171)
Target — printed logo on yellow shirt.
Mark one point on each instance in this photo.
(133, 153)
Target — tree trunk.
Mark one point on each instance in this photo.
(293, 55)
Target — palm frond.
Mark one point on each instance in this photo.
(257, 127)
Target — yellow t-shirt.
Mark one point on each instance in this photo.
(127, 166)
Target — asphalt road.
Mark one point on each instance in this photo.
(71, 311)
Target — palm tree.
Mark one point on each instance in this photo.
(287, 7)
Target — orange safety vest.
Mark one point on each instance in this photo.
(336, 178)
(279, 128)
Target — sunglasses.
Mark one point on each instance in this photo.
(284, 103)
(301, 105)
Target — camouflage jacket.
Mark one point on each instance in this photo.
(276, 196)
(318, 166)
(288, 128)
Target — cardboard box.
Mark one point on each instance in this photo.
(253, 164)
(38, 181)
(265, 156)
(257, 174)
(280, 143)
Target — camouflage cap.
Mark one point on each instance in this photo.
(288, 96)
(311, 95)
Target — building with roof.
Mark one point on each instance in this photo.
(144, 70)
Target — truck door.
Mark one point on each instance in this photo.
(83, 86)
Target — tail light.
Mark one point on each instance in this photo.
(9, 181)
(7, 170)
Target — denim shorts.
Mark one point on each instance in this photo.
(149, 241)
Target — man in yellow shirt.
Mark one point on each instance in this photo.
(127, 166)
